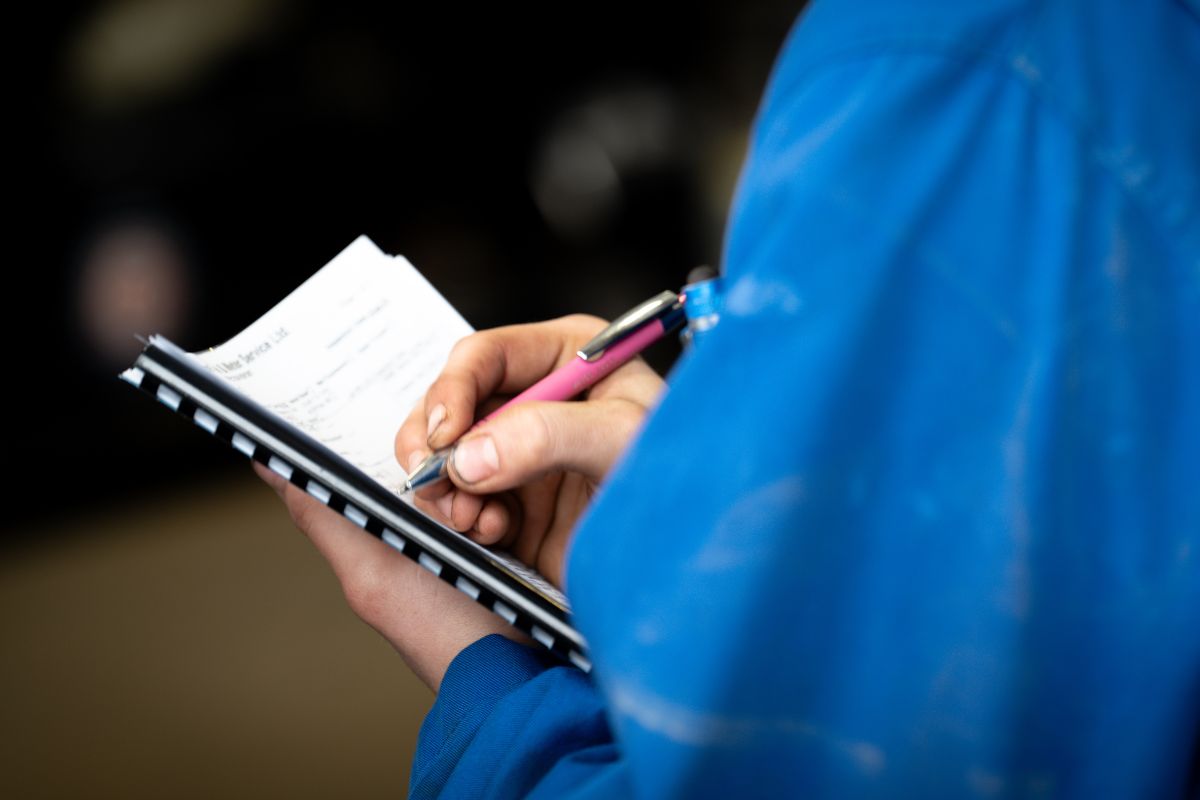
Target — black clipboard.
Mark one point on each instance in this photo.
(494, 580)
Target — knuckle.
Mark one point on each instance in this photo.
(587, 324)
(442, 385)
(463, 521)
(463, 511)
(459, 377)
(536, 434)
(463, 344)
(470, 347)
(628, 418)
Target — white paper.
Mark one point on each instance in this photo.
(347, 355)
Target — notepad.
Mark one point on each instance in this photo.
(316, 389)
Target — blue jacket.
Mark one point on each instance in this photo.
(921, 517)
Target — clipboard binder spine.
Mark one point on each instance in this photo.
(257, 451)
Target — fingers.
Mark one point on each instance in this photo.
(270, 477)
(460, 509)
(505, 361)
(523, 445)
(498, 361)
(349, 553)
(502, 360)
(529, 440)
(411, 448)
(365, 566)
(428, 621)
(498, 518)
(487, 519)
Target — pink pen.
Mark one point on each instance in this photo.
(627, 335)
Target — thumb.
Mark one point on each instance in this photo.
(532, 439)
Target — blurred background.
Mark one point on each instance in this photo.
(179, 167)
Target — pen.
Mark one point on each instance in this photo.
(625, 337)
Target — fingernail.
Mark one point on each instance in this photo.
(436, 418)
(476, 459)
(414, 459)
(445, 504)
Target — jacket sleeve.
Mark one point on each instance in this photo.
(511, 722)
(918, 517)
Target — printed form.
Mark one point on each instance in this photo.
(347, 355)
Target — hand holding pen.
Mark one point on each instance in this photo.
(520, 478)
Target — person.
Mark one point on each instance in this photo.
(918, 517)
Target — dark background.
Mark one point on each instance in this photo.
(179, 166)
(531, 162)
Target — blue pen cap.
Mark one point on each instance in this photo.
(702, 303)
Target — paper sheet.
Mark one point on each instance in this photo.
(347, 355)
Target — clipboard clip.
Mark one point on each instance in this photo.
(666, 306)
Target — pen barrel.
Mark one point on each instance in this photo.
(578, 375)
(561, 384)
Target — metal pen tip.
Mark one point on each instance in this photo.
(430, 470)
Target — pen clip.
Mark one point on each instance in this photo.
(632, 320)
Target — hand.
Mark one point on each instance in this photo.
(521, 480)
(428, 621)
